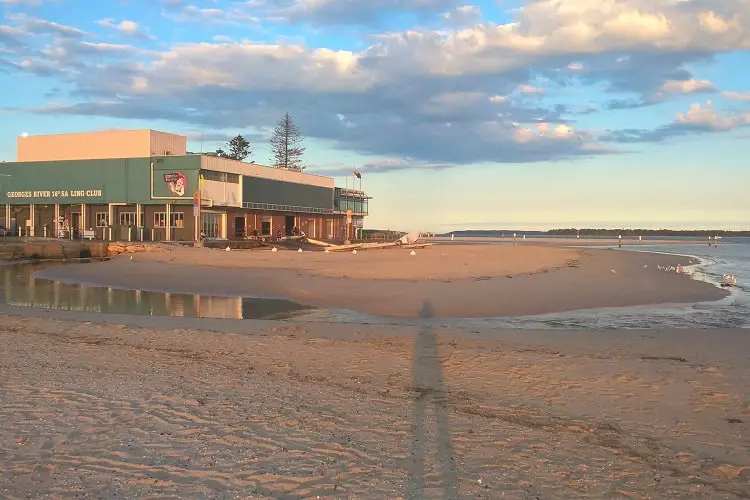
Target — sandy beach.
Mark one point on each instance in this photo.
(453, 280)
(346, 411)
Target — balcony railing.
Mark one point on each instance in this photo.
(271, 207)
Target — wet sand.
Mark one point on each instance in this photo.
(354, 411)
(456, 280)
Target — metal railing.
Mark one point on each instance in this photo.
(271, 207)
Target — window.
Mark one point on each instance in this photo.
(211, 175)
(102, 219)
(177, 220)
(160, 219)
(127, 218)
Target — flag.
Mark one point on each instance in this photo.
(357, 174)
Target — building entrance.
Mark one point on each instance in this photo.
(239, 227)
(289, 224)
(211, 225)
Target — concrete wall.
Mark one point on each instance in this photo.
(166, 144)
(106, 144)
(222, 194)
(262, 172)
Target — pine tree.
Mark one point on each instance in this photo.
(239, 148)
(285, 145)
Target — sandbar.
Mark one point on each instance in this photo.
(456, 281)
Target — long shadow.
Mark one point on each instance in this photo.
(429, 404)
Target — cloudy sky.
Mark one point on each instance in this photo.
(517, 113)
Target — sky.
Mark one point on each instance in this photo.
(529, 114)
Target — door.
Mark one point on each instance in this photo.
(75, 224)
(211, 225)
(239, 227)
(289, 223)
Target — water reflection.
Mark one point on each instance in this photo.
(21, 288)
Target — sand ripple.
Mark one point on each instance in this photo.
(288, 413)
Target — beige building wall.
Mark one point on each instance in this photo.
(100, 145)
(253, 170)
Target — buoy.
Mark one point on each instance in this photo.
(354, 251)
(227, 249)
(299, 251)
(327, 251)
(412, 253)
(274, 249)
(131, 257)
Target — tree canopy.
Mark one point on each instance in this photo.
(238, 149)
(286, 146)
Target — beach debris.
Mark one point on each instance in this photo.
(354, 251)
(299, 251)
(274, 249)
(410, 238)
(728, 280)
(326, 251)
(613, 271)
(645, 266)
(412, 253)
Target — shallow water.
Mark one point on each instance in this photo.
(732, 256)
(20, 288)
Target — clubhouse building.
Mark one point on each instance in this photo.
(143, 185)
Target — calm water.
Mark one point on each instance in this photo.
(20, 288)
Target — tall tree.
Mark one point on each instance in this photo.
(238, 149)
(285, 145)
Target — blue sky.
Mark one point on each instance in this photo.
(515, 114)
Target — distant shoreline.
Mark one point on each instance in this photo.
(569, 241)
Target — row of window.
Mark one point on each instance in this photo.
(177, 219)
(211, 175)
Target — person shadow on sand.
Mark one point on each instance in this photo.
(429, 408)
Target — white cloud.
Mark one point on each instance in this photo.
(737, 96)
(690, 86)
(463, 15)
(530, 89)
(42, 26)
(430, 95)
(125, 27)
(193, 13)
(705, 116)
(26, 3)
(699, 118)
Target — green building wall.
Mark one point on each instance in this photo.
(126, 180)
